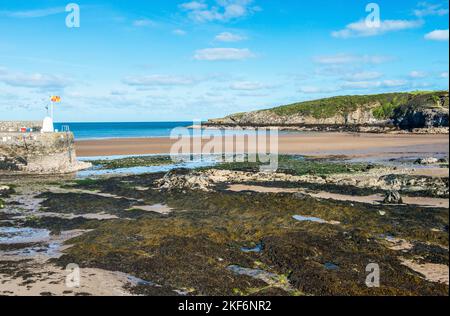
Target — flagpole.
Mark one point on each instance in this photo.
(51, 113)
(53, 100)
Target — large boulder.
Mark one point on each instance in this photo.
(393, 197)
(427, 161)
(5, 191)
(183, 180)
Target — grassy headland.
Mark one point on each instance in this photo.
(405, 110)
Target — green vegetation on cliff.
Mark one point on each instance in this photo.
(406, 110)
(384, 105)
(330, 107)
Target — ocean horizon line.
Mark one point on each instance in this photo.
(121, 130)
(118, 122)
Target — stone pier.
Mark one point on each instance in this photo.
(15, 126)
(35, 152)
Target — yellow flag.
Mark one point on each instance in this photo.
(55, 99)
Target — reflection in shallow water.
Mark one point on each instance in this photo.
(14, 235)
(206, 161)
(137, 281)
(50, 250)
(272, 279)
(331, 266)
(255, 273)
(19, 243)
(301, 218)
(258, 248)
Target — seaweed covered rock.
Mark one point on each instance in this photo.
(427, 161)
(379, 179)
(393, 197)
(182, 180)
(5, 191)
(416, 185)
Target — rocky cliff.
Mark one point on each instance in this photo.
(404, 111)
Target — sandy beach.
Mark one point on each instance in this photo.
(307, 144)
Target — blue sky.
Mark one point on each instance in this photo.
(182, 60)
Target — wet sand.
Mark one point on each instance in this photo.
(43, 278)
(425, 202)
(432, 272)
(351, 144)
(432, 172)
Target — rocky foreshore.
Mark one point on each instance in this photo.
(385, 179)
(327, 128)
(308, 229)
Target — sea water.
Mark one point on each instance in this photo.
(134, 129)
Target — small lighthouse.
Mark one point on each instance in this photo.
(47, 124)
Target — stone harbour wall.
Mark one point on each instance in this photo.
(38, 153)
(15, 126)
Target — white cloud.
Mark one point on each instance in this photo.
(374, 84)
(229, 37)
(361, 76)
(33, 13)
(179, 32)
(119, 92)
(341, 59)
(428, 9)
(248, 86)
(420, 85)
(36, 80)
(362, 29)
(193, 5)
(393, 83)
(221, 10)
(144, 23)
(253, 94)
(223, 54)
(417, 74)
(437, 35)
(316, 89)
(159, 80)
(444, 74)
